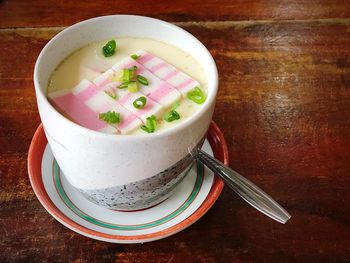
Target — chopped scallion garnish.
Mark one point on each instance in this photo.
(135, 57)
(108, 50)
(151, 123)
(171, 116)
(142, 80)
(110, 117)
(111, 93)
(124, 85)
(132, 86)
(127, 75)
(196, 95)
(140, 102)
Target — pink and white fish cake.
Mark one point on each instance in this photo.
(126, 98)
(151, 107)
(72, 104)
(165, 71)
(107, 79)
(102, 103)
(157, 89)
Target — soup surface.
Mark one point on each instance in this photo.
(91, 64)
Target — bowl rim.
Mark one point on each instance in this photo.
(211, 96)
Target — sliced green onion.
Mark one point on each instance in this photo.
(110, 117)
(151, 123)
(142, 80)
(140, 102)
(171, 116)
(196, 95)
(108, 50)
(127, 75)
(135, 57)
(111, 93)
(132, 86)
(124, 85)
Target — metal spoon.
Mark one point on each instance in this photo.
(252, 194)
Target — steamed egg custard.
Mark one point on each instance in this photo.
(128, 86)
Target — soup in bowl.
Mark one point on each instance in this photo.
(123, 100)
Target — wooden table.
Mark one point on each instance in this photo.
(283, 106)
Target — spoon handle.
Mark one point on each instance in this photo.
(252, 194)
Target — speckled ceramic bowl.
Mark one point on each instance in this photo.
(143, 193)
(122, 172)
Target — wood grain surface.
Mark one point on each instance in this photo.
(25, 13)
(283, 106)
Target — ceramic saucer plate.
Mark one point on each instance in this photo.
(192, 198)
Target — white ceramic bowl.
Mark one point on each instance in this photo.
(95, 161)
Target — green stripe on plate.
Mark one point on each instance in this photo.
(81, 214)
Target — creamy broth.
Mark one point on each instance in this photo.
(89, 63)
